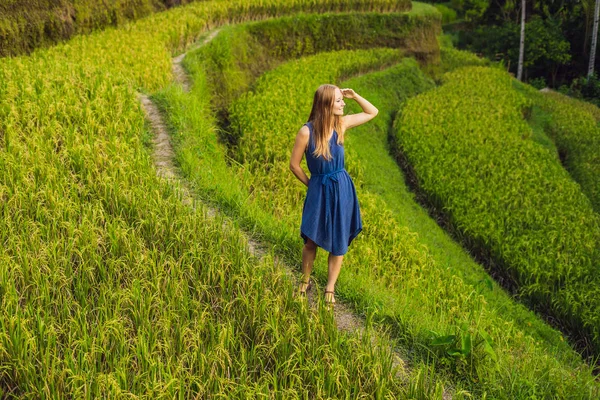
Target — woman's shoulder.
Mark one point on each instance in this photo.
(307, 128)
(304, 132)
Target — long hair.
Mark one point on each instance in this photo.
(324, 121)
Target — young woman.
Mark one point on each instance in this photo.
(331, 215)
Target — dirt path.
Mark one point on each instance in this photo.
(179, 73)
(163, 157)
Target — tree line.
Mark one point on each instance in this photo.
(557, 39)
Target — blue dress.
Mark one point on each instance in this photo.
(331, 215)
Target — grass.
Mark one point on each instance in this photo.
(240, 53)
(423, 303)
(374, 146)
(110, 286)
(573, 126)
(538, 120)
(527, 219)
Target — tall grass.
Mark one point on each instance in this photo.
(504, 195)
(109, 285)
(430, 309)
(573, 126)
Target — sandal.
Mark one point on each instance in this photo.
(329, 300)
(304, 287)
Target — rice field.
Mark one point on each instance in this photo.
(573, 126)
(109, 283)
(112, 286)
(504, 195)
(268, 211)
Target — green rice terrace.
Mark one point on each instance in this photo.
(149, 221)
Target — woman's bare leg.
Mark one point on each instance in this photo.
(334, 264)
(309, 252)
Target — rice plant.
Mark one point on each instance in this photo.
(504, 195)
(388, 269)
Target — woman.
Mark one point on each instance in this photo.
(331, 215)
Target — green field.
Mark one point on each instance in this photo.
(112, 285)
(504, 195)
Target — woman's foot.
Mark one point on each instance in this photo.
(329, 299)
(304, 287)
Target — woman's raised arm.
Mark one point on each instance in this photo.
(369, 110)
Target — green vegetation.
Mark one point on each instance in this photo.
(388, 269)
(573, 125)
(448, 14)
(165, 303)
(504, 196)
(538, 121)
(557, 38)
(452, 59)
(240, 53)
(380, 175)
(109, 285)
(388, 259)
(28, 24)
(590, 108)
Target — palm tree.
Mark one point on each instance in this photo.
(594, 40)
(522, 45)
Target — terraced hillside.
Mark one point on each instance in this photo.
(263, 196)
(109, 283)
(573, 126)
(26, 25)
(113, 285)
(506, 196)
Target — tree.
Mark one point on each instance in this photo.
(562, 28)
(546, 50)
(522, 43)
(594, 40)
(470, 10)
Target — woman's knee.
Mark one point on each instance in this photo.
(310, 245)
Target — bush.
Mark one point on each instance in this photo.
(538, 83)
(585, 88)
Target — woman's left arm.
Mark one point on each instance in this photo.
(369, 110)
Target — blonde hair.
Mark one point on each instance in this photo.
(324, 121)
